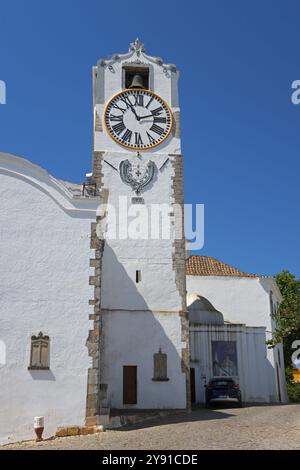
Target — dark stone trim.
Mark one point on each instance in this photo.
(179, 266)
(94, 387)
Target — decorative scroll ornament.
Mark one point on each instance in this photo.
(137, 175)
(40, 337)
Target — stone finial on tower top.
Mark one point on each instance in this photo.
(137, 46)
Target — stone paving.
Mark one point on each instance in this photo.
(252, 427)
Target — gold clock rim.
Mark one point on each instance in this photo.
(138, 148)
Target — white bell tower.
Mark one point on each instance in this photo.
(139, 343)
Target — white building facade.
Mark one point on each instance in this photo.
(247, 303)
(93, 311)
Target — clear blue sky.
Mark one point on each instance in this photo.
(240, 131)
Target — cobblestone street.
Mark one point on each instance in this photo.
(254, 427)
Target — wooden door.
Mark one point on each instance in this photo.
(129, 385)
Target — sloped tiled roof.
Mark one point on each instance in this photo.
(208, 266)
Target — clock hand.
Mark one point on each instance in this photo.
(144, 117)
(111, 165)
(165, 162)
(134, 111)
(138, 118)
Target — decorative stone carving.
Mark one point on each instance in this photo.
(39, 354)
(136, 51)
(137, 175)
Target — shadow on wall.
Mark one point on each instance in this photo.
(132, 334)
(202, 312)
(42, 375)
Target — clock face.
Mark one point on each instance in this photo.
(138, 119)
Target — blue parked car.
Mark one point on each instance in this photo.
(223, 389)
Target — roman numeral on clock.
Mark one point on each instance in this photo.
(127, 101)
(157, 129)
(151, 139)
(138, 139)
(157, 111)
(116, 106)
(150, 101)
(118, 128)
(127, 136)
(160, 119)
(112, 117)
(139, 100)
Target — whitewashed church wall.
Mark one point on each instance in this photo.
(44, 286)
(132, 338)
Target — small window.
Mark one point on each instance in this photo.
(39, 355)
(138, 276)
(160, 367)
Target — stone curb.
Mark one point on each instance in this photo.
(78, 430)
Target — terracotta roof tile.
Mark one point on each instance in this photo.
(207, 266)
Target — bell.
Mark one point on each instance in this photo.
(137, 82)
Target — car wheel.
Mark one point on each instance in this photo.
(240, 403)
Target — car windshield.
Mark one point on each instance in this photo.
(221, 383)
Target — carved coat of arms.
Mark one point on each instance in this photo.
(137, 175)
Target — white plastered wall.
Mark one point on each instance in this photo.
(44, 286)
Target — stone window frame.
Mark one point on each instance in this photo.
(41, 341)
(160, 367)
